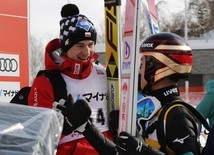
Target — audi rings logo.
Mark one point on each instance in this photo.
(8, 65)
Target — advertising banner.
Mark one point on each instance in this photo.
(14, 68)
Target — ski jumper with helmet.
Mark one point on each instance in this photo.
(167, 55)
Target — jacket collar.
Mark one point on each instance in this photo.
(167, 94)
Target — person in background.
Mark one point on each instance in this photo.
(206, 106)
(73, 56)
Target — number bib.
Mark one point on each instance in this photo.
(93, 89)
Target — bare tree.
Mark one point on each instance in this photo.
(199, 15)
(36, 54)
(211, 20)
(200, 18)
(101, 32)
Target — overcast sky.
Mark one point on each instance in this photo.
(45, 14)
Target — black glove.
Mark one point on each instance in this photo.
(113, 123)
(76, 115)
(130, 145)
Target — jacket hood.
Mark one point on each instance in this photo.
(53, 45)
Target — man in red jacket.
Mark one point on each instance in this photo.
(73, 55)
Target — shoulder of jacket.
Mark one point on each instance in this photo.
(209, 86)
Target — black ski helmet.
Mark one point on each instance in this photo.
(166, 55)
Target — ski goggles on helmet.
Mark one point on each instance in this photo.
(147, 107)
